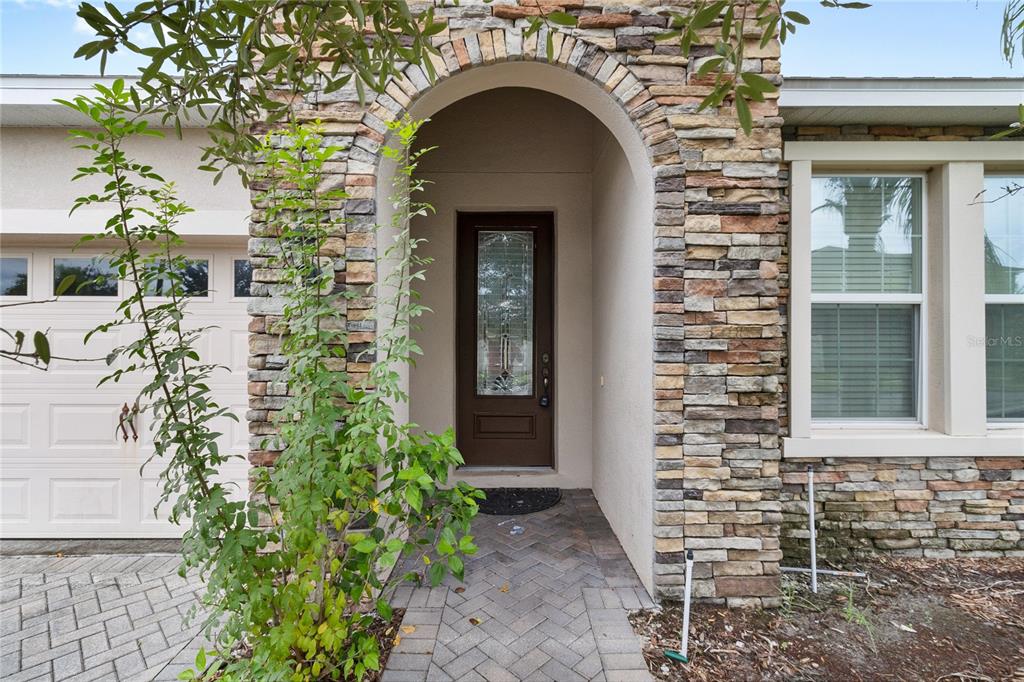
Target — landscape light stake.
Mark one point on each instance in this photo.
(684, 636)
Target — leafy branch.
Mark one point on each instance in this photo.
(228, 63)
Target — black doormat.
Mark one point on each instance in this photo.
(512, 501)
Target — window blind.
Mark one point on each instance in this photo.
(864, 363)
(1004, 290)
(1004, 362)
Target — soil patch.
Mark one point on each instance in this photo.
(911, 619)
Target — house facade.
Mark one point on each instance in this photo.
(632, 296)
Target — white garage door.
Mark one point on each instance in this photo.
(66, 470)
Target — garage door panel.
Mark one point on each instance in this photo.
(15, 425)
(239, 351)
(14, 500)
(84, 427)
(66, 469)
(85, 500)
(70, 343)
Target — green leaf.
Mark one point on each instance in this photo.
(64, 285)
(365, 546)
(797, 18)
(437, 573)
(743, 113)
(414, 497)
(706, 16)
(758, 83)
(562, 18)
(42, 347)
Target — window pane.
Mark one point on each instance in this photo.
(504, 302)
(93, 276)
(243, 277)
(1004, 236)
(13, 276)
(866, 235)
(194, 279)
(864, 361)
(1004, 332)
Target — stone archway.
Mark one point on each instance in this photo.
(622, 475)
(716, 330)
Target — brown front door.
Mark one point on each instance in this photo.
(505, 338)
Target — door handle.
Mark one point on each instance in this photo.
(131, 420)
(545, 373)
(127, 417)
(121, 421)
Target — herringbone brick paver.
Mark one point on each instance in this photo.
(549, 604)
(105, 617)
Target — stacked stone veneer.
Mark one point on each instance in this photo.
(935, 507)
(717, 337)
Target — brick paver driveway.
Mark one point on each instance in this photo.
(547, 604)
(106, 617)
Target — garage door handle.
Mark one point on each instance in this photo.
(120, 422)
(131, 420)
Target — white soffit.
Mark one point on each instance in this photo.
(901, 101)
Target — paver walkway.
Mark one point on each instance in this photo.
(107, 617)
(549, 604)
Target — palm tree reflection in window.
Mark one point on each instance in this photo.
(869, 241)
(504, 313)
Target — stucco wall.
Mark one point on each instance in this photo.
(622, 373)
(484, 162)
(36, 165)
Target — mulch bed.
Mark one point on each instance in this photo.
(387, 635)
(387, 638)
(912, 619)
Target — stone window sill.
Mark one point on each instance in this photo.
(904, 443)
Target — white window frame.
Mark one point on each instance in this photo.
(231, 276)
(955, 421)
(210, 269)
(79, 255)
(1002, 299)
(881, 298)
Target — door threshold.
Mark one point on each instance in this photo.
(505, 470)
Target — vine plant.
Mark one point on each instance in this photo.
(297, 574)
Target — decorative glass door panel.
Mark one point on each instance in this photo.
(504, 313)
(505, 339)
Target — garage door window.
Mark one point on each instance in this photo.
(243, 278)
(13, 276)
(93, 276)
(195, 278)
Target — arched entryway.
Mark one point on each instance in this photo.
(581, 146)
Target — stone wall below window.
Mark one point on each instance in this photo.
(936, 507)
(888, 133)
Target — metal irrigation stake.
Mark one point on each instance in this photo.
(814, 539)
(682, 654)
